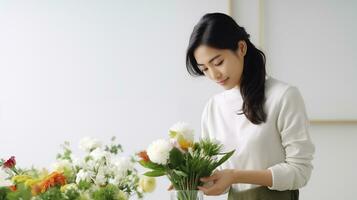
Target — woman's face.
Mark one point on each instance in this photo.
(223, 66)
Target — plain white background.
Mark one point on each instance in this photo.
(71, 69)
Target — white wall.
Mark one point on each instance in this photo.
(70, 69)
(312, 44)
(334, 175)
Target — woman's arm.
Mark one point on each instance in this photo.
(224, 179)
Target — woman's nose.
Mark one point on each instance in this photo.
(215, 74)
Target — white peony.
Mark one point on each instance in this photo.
(159, 151)
(183, 129)
(88, 144)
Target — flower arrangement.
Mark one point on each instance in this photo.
(181, 159)
(100, 175)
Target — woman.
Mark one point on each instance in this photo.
(262, 118)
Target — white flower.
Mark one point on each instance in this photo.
(62, 165)
(77, 162)
(100, 178)
(3, 177)
(123, 163)
(89, 165)
(84, 175)
(183, 129)
(88, 144)
(121, 166)
(159, 151)
(98, 154)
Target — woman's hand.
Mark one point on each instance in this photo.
(222, 180)
(170, 187)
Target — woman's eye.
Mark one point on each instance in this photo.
(219, 63)
(204, 70)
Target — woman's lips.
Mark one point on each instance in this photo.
(222, 82)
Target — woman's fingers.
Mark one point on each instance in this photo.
(170, 187)
(214, 190)
(210, 178)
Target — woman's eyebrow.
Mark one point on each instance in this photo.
(211, 60)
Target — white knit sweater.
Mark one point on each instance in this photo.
(281, 144)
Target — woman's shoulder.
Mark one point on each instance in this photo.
(277, 90)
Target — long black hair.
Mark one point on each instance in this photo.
(220, 31)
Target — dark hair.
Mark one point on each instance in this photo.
(220, 31)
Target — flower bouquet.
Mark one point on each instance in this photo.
(182, 160)
(100, 175)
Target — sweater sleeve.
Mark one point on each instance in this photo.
(204, 121)
(293, 124)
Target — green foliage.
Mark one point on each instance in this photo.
(67, 152)
(114, 148)
(53, 193)
(84, 185)
(208, 148)
(185, 168)
(3, 192)
(22, 192)
(109, 192)
(151, 165)
(154, 173)
(223, 159)
(72, 194)
(176, 157)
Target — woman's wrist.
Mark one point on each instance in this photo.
(257, 177)
(236, 176)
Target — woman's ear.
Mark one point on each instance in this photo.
(242, 48)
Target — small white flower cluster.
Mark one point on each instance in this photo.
(99, 166)
(88, 144)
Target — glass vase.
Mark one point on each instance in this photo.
(186, 195)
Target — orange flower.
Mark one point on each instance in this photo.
(55, 178)
(13, 188)
(143, 155)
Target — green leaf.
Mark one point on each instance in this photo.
(176, 157)
(180, 173)
(151, 165)
(223, 159)
(155, 173)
